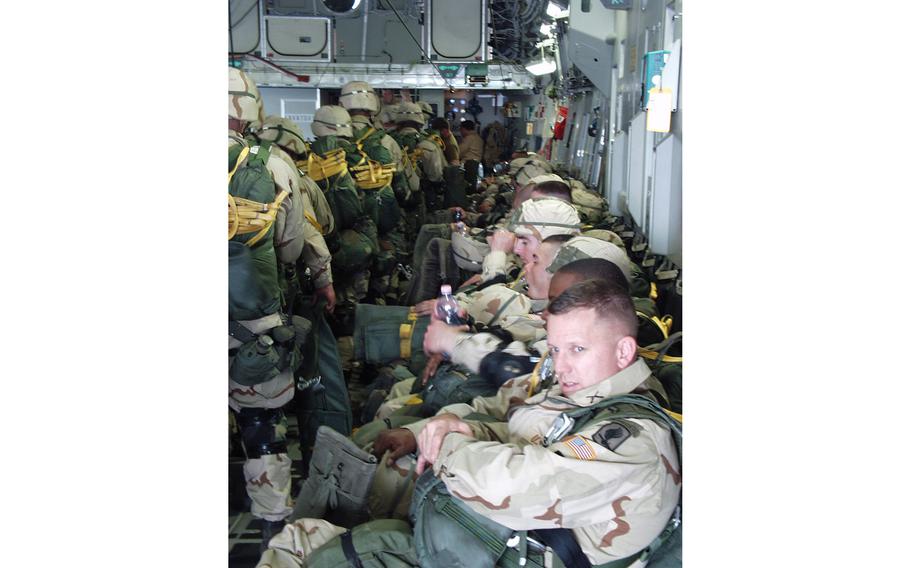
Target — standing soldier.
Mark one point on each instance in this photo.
(354, 242)
(265, 226)
(377, 146)
(424, 150)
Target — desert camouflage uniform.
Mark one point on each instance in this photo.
(615, 484)
(268, 477)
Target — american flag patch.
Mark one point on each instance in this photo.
(581, 448)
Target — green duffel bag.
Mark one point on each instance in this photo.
(384, 543)
(264, 356)
(383, 334)
(666, 363)
(389, 212)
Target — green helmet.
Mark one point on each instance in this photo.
(284, 132)
(332, 120)
(359, 95)
(244, 102)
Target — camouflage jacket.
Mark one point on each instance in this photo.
(614, 483)
(431, 161)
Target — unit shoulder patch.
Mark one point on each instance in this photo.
(612, 435)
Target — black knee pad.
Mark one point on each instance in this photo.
(257, 429)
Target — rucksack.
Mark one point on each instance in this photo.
(667, 368)
(253, 290)
(447, 532)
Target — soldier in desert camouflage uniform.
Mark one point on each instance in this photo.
(257, 402)
(614, 483)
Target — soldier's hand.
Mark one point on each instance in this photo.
(425, 308)
(502, 240)
(430, 368)
(398, 442)
(430, 439)
(327, 292)
(472, 280)
(440, 337)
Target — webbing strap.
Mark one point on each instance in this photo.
(502, 309)
(405, 331)
(535, 376)
(240, 333)
(247, 216)
(320, 168)
(240, 158)
(350, 553)
(313, 221)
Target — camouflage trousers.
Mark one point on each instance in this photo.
(267, 475)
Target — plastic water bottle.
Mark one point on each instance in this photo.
(447, 307)
(460, 227)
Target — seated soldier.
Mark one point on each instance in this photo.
(613, 483)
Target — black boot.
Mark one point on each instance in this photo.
(269, 529)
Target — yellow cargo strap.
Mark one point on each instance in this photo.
(405, 331)
(372, 175)
(673, 414)
(518, 279)
(415, 155)
(364, 136)
(240, 158)
(653, 355)
(664, 323)
(246, 216)
(437, 139)
(319, 168)
(313, 221)
(535, 376)
(413, 400)
(653, 293)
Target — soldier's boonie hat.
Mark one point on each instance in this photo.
(243, 96)
(590, 247)
(332, 120)
(543, 217)
(284, 132)
(494, 303)
(469, 252)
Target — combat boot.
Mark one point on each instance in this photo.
(269, 529)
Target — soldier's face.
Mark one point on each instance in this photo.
(585, 349)
(525, 246)
(536, 271)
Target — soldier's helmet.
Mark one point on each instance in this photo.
(244, 102)
(387, 114)
(332, 120)
(408, 112)
(284, 132)
(426, 109)
(359, 95)
(585, 246)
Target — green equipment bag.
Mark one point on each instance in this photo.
(367, 434)
(452, 384)
(322, 397)
(253, 289)
(448, 533)
(666, 363)
(384, 543)
(264, 356)
(383, 334)
(355, 252)
(456, 187)
(652, 328)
